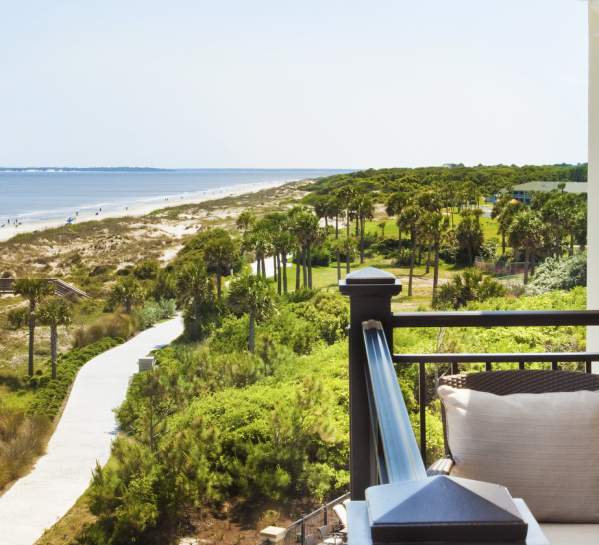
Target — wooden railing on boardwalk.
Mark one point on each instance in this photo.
(61, 288)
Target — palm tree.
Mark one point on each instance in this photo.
(245, 221)
(255, 240)
(382, 226)
(346, 197)
(127, 292)
(321, 209)
(195, 293)
(332, 211)
(364, 209)
(281, 240)
(409, 220)
(435, 225)
(272, 224)
(395, 204)
(336, 208)
(469, 233)
(504, 211)
(220, 253)
(54, 313)
(430, 203)
(251, 295)
(307, 232)
(34, 290)
(526, 232)
(346, 247)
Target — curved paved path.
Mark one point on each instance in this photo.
(82, 437)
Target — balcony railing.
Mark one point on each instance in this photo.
(383, 449)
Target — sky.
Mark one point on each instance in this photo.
(277, 84)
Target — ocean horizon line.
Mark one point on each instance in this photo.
(62, 169)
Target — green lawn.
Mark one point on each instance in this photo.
(489, 226)
(326, 278)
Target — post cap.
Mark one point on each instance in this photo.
(370, 275)
(465, 511)
(370, 281)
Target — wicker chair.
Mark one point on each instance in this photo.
(526, 382)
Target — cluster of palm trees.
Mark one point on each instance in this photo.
(277, 236)
(45, 309)
(339, 218)
(421, 215)
(350, 203)
(552, 225)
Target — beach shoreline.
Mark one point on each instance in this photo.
(139, 209)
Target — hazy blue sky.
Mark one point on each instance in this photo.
(276, 83)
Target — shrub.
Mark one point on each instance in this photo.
(559, 274)
(154, 311)
(471, 285)
(116, 326)
(22, 438)
(147, 269)
(293, 331)
(329, 312)
(386, 247)
(303, 294)
(488, 249)
(449, 248)
(402, 257)
(17, 318)
(125, 271)
(100, 270)
(320, 256)
(50, 393)
(165, 286)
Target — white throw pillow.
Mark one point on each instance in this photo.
(542, 447)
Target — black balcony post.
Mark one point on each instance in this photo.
(370, 291)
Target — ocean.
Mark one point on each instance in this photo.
(55, 196)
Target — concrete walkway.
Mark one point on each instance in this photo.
(270, 267)
(82, 437)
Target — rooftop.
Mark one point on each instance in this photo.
(570, 187)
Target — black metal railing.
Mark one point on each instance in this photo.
(398, 510)
(455, 363)
(370, 292)
(307, 529)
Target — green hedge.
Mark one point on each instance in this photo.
(50, 393)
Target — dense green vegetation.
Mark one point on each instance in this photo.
(440, 211)
(214, 424)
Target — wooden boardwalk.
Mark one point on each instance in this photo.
(61, 288)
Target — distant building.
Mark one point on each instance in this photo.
(523, 192)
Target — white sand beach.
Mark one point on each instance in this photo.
(8, 231)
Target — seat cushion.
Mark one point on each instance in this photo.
(571, 534)
(542, 447)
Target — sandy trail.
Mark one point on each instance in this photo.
(82, 437)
